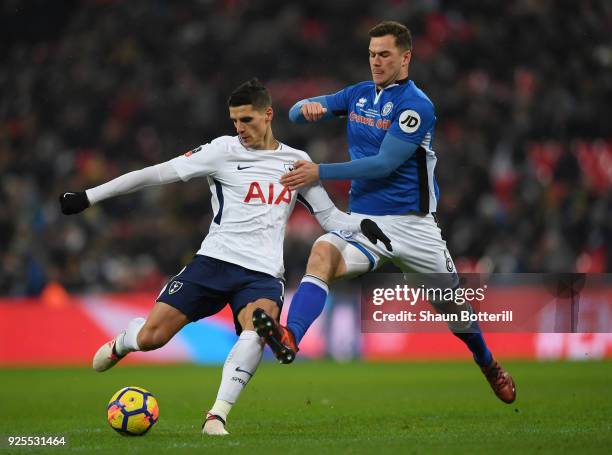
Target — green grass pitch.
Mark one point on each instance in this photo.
(323, 407)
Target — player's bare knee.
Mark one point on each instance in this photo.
(324, 261)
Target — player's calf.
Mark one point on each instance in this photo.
(151, 338)
(161, 325)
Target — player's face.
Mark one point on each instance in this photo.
(251, 124)
(388, 63)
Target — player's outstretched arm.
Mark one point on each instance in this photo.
(310, 110)
(392, 154)
(318, 203)
(75, 202)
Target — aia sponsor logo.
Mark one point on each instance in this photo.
(380, 123)
(275, 195)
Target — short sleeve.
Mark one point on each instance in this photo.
(201, 161)
(413, 121)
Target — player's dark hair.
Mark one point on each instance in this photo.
(403, 37)
(250, 92)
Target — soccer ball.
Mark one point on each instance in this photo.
(132, 411)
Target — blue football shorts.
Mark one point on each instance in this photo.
(206, 285)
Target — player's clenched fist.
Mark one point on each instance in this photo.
(72, 203)
(313, 111)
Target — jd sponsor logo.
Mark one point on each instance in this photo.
(409, 121)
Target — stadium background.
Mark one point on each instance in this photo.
(94, 89)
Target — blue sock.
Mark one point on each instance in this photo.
(306, 306)
(475, 341)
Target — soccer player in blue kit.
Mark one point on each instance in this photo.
(390, 131)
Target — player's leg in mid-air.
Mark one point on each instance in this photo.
(141, 334)
(417, 246)
(333, 255)
(182, 300)
(186, 297)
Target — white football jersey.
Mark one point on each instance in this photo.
(250, 206)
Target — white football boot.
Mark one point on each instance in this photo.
(106, 357)
(214, 425)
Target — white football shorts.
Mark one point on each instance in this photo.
(417, 244)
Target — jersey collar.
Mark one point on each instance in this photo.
(398, 82)
(395, 84)
(277, 149)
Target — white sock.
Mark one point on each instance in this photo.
(221, 408)
(239, 368)
(126, 342)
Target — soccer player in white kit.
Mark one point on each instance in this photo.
(240, 261)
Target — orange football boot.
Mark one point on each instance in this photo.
(279, 338)
(501, 382)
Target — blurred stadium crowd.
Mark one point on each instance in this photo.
(94, 89)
